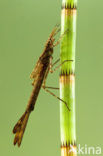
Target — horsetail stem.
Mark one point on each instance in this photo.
(67, 78)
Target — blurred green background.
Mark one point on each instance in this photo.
(24, 28)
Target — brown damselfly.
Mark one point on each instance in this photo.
(39, 75)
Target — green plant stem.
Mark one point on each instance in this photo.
(67, 77)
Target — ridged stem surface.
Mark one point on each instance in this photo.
(67, 77)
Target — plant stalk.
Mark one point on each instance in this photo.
(67, 78)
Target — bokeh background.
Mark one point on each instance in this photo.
(24, 28)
